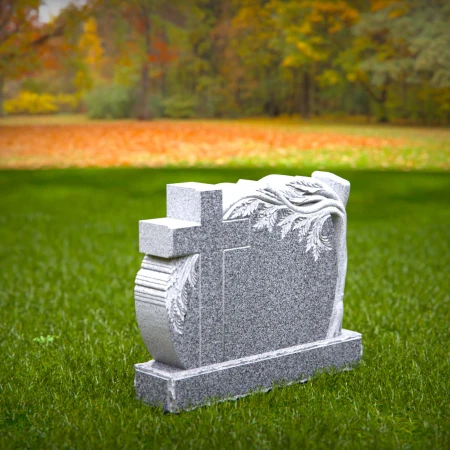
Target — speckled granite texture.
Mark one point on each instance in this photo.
(242, 270)
(177, 389)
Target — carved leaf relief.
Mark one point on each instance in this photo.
(184, 274)
(301, 206)
(166, 282)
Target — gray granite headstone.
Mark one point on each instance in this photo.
(242, 286)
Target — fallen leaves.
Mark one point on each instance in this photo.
(161, 143)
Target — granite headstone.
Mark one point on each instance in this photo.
(241, 286)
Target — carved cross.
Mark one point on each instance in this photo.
(194, 224)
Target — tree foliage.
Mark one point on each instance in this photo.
(225, 58)
(27, 46)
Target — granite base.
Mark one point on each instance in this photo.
(177, 389)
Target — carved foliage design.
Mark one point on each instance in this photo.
(166, 282)
(185, 274)
(301, 206)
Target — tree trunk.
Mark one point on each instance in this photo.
(271, 107)
(405, 109)
(293, 91)
(143, 112)
(382, 102)
(2, 86)
(380, 99)
(312, 95)
(305, 109)
(143, 108)
(316, 100)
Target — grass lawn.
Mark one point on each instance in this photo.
(68, 255)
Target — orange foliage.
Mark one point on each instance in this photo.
(161, 52)
(50, 55)
(160, 143)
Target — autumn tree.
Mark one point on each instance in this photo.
(90, 58)
(18, 33)
(145, 35)
(312, 35)
(254, 38)
(24, 41)
(401, 44)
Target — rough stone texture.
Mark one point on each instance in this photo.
(176, 389)
(240, 270)
(270, 306)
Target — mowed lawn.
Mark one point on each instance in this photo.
(69, 255)
(75, 141)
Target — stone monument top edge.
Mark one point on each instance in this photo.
(196, 186)
(184, 199)
(340, 185)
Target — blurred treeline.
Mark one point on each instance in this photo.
(381, 59)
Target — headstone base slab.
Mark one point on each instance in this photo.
(177, 389)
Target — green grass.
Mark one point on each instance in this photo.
(69, 255)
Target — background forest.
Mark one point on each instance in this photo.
(384, 60)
